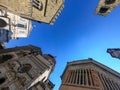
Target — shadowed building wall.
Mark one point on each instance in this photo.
(24, 67)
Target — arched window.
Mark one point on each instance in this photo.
(4, 58)
(109, 1)
(24, 68)
(2, 80)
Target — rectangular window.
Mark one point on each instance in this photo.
(20, 25)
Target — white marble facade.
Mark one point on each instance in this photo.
(13, 26)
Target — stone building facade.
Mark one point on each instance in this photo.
(89, 75)
(39, 10)
(106, 6)
(25, 68)
(13, 26)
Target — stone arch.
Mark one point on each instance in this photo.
(24, 68)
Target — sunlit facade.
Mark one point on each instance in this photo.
(13, 26)
(89, 75)
(39, 10)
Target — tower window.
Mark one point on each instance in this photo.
(2, 80)
(109, 1)
(37, 4)
(103, 9)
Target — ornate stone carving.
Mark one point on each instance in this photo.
(24, 68)
(11, 75)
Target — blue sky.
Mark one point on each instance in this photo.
(77, 34)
